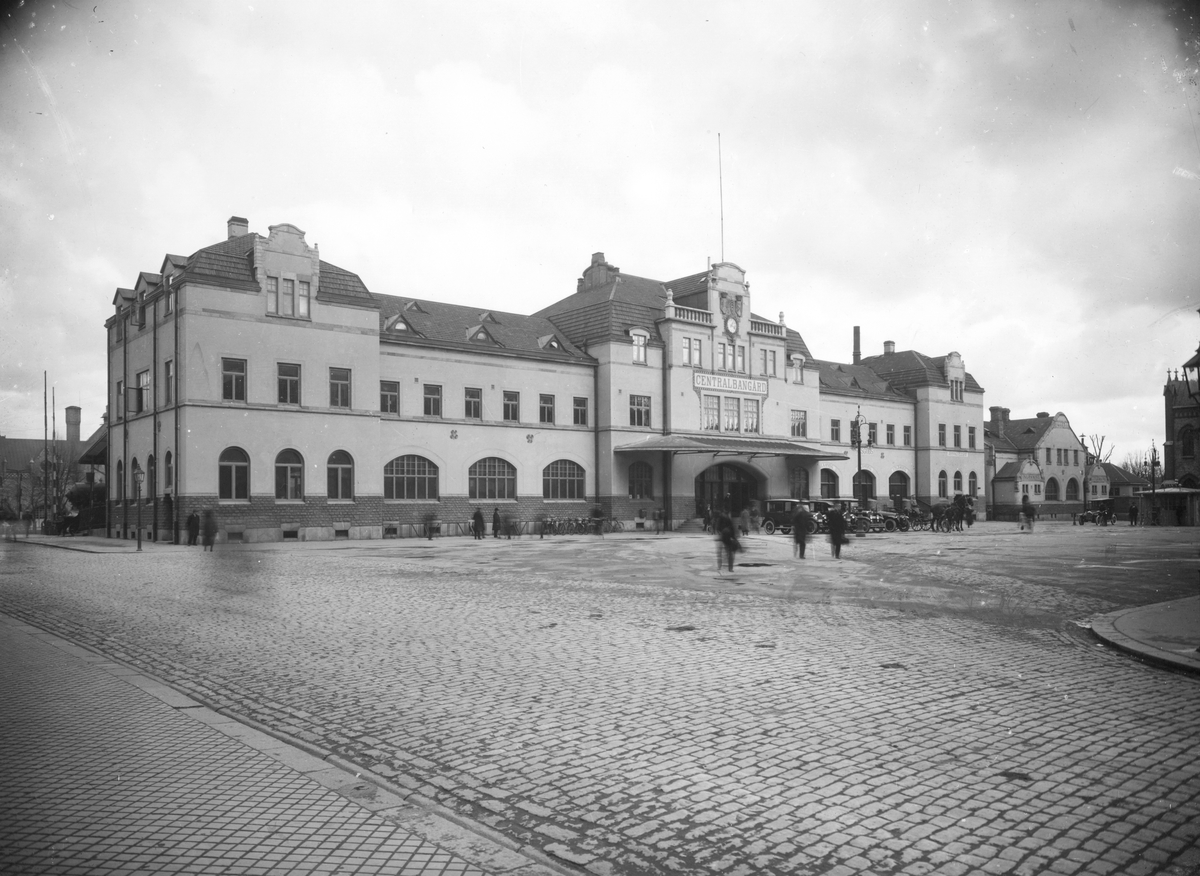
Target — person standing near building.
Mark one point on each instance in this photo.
(800, 520)
(477, 524)
(193, 527)
(210, 530)
(1027, 513)
(727, 540)
(836, 521)
(496, 523)
(1133, 515)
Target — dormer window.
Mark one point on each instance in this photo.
(480, 335)
(550, 342)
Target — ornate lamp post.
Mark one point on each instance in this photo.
(856, 440)
(138, 477)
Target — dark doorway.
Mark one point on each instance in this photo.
(725, 487)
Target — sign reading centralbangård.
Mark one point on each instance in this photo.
(728, 383)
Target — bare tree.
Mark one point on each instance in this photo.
(1096, 449)
(1137, 463)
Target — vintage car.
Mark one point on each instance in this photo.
(777, 516)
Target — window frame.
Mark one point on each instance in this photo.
(835, 431)
(472, 403)
(431, 400)
(941, 434)
(233, 382)
(564, 479)
(233, 475)
(339, 477)
(285, 383)
(169, 382)
(640, 411)
(546, 409)
(143, 386)
(798, 418)
(511, 401)
(289, 475)
(498, 478)
(389, 397)
(889, 434)
(907, 436)
(413, 478)
(579, 410)
(339, 387)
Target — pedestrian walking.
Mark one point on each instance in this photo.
(836, 521)
(708, 518)
(477, 524)
(496, 523)
(1133, 515)
(210, 530)
(727, 540)
(744, 517)
(193, 528)
(1027, 514)
(800, 520)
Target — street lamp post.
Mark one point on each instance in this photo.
(856, 439)
(1153, 489)
(138, 477)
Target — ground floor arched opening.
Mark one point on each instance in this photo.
(725, 487)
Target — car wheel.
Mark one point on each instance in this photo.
(889, 525)
(811, 527)
(769, 527)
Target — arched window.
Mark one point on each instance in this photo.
(289, 475)
(492, 478)
(943, 485)
(798, 483)
(151, 478)
(1052, 490)
(410, 477)
(957, 482)
(563, 479)
(120, 481)
(864, 485)
(898, 486)
(340, 476)
(972, 485)
(169, 473)
(641, 480)
(1072, 490)
(233, 481)
(829, 484)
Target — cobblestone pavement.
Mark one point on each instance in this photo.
(931, 704)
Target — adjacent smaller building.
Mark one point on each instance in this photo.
(1040, 457)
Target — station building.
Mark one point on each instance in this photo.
(256, 380)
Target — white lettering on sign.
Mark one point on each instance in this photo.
(728, 383)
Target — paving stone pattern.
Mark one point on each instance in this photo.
(627, 709)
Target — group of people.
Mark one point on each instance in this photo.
(722, 525)
(209, 529)
(479, 526)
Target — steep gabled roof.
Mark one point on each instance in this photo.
(608, 311)
(999, 442)
(457, 326)
(1027, 434)
(339, 283)
(855, 380)
(1117, 476)
(908, 369)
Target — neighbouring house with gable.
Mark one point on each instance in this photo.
(1040, 457)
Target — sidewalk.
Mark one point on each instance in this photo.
(1166, 632)
(106, 770)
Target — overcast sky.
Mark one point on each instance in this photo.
(1017, 181)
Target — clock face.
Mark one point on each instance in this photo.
(731, 325)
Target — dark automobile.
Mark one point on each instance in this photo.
(777, 516)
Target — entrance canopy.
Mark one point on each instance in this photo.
(726, 446)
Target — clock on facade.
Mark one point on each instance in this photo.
(731, 325)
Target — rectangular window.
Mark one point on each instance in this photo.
(389, 397)
(169, 307)
(941, 434)
(473, 403)
(971, 437)
(580, 411)
(546, 409)
(872, 433)
(302, 300)
(1058, 456)
(288, 379)
(741, 359)
(773, 364)
(287, 300)
(799, 424)
(958, 437)
(733, 415)
(890, 434)
(233, 379)
(908, 436)
(721, 361)
(1048, 453)
(712, 413)
(639, 349)
(691, 352)
(433, 400)
(764, 363)
(339, 387)
(272, 295)
(121, 399)
(1077, 457)
(169, 382)
(639, 410)
(512, 407)
(750, 415)
(143, 394)
(835, 430)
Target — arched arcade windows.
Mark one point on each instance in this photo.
(563, 479)
(410, 477)
(492, 478)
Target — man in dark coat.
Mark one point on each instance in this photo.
(496, 523)
(800, 521)
(193, 527)
(477, 524)
(727, 540)
(210, 530)
(836, 521)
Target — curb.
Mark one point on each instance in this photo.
(1105, 629)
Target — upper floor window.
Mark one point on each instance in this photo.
(288, 297)
(890, 434)
(546, 409)
(799, 424)
(473, 403)
(169, 302)
(169, 382)
(639, 347)
(340, 475)
(121, 401)
(691, 352)
(733, 415)
(971, 437)
(1048, 453)
(712, 413)
(958, 437)
(872, 433)
(1077, 457)
(835, 430)
(941, 434)
(288, 379)
(768, 363)
(272, 295)
(233, 379)
(956, 390)
(433, 400)
(389, 397)
(512, 406)
(143, 390)
(580, 411)
(302, 298)
(639, 410)
(750, 415)
(1187, 442)
(741, 359)
(233, 475)
(339, 387)
(908, 436)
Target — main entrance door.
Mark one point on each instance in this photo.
(725, 487)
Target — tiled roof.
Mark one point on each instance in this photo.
(999, 442)
(457, 325)
(17, 452)
(339, 282)
(229, 264)
(1007, 471)
(854, 379)
(1025, 434)
(908, 369)
(1119, 477)
(608, 311)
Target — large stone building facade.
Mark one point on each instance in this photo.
(256, 380)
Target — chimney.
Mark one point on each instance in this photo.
(889, 347)
(238, 226)
(997, 421)
(73, 418)
(1043, 415)
(857, 349)
(1005, 412)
